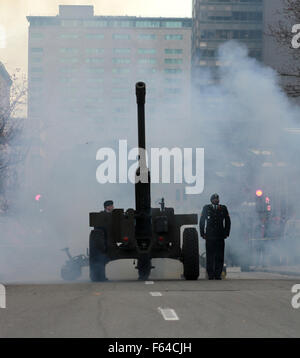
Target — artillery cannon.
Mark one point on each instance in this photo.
(72, 268)
(144, 233)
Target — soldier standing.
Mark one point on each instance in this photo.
(214, 228)
(108, 208)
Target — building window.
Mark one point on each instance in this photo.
(247, 34)
(121, 37)
(173, 70)
(70, 23)
(147, 24)
(147, 37)
(95, 80)
(44, 21)
(120, 90)
(146, 61)
(120, 99)
(173, 51)
(95, 70)
(122, 50)
(94, 51)
(121, 60)
(173, 60)
(121, 23)
(145, 71)
(173, 24)
(94, 36)
(173, 37)
(211, 53)
(95, 23)
(231, 34)
(148, 51)
(69, 36)
(120, 70)
(94, 60)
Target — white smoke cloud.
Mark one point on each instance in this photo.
(245, 111)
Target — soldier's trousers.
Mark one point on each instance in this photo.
(214, 256)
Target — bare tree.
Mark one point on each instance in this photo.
(282, 33)
(11, 126)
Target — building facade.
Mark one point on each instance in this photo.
(281, 56)
(5, 85)
(215, 22)
(87, 65)
(82, 71)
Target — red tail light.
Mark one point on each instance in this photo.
(125, 238)
(160, 238)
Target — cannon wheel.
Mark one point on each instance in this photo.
(190, 254)
(97, 259)
(144, 267)
(70, 272)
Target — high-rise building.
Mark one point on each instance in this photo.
(279, 54)
(85, 66)
(5, 85)
(215, 22)
(82, 71)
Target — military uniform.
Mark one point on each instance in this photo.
(215, 228)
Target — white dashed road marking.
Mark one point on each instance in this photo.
(168, 314)
(149, 282)
(155, 294)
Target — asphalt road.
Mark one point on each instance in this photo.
(243, 305)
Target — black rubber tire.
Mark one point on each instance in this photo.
(97, 252)
(70, 272)
(144, 267)
(190, 254)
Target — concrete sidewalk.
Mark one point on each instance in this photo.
(283, 270)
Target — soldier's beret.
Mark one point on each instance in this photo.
(108, 203)
(214, 196)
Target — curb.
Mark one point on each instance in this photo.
(286, 273)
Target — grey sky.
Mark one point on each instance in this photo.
(14, 26)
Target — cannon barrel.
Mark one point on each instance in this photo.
(140, 90)
(142, 180)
